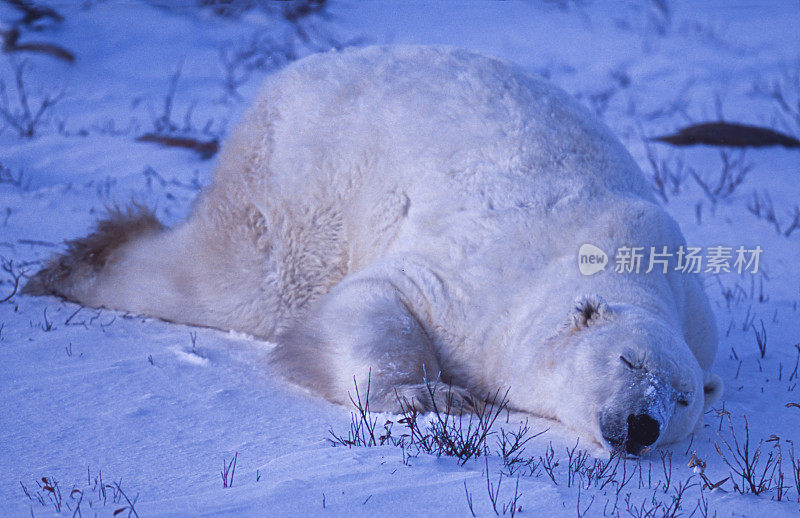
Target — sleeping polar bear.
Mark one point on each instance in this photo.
(390, 211)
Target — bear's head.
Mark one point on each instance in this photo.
(632, 374)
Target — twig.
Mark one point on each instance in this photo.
(25, 118)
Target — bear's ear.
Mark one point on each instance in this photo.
(588, 309)
(712, 388)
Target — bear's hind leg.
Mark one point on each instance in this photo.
(363, 334)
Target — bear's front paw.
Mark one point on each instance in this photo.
(444, 399)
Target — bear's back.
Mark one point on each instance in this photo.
(366, 152)
(436, 120)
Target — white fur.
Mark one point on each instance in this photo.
(393, 208)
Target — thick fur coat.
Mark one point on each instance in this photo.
(393, 211)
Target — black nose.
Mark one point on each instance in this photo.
(642, 431)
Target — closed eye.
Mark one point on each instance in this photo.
(627, 363)
(683, 400)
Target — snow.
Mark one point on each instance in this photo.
(160, 407)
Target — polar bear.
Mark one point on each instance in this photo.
(389, 212)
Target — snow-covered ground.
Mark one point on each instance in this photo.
(110, 405)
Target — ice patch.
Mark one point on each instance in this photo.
(250, 338)
(190, 357)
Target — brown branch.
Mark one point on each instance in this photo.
(206, 149)
(729, 134)
(34, 12)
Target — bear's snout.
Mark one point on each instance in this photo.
(643, 431)
(632, 435)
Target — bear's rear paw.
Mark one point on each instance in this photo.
(69, 274)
